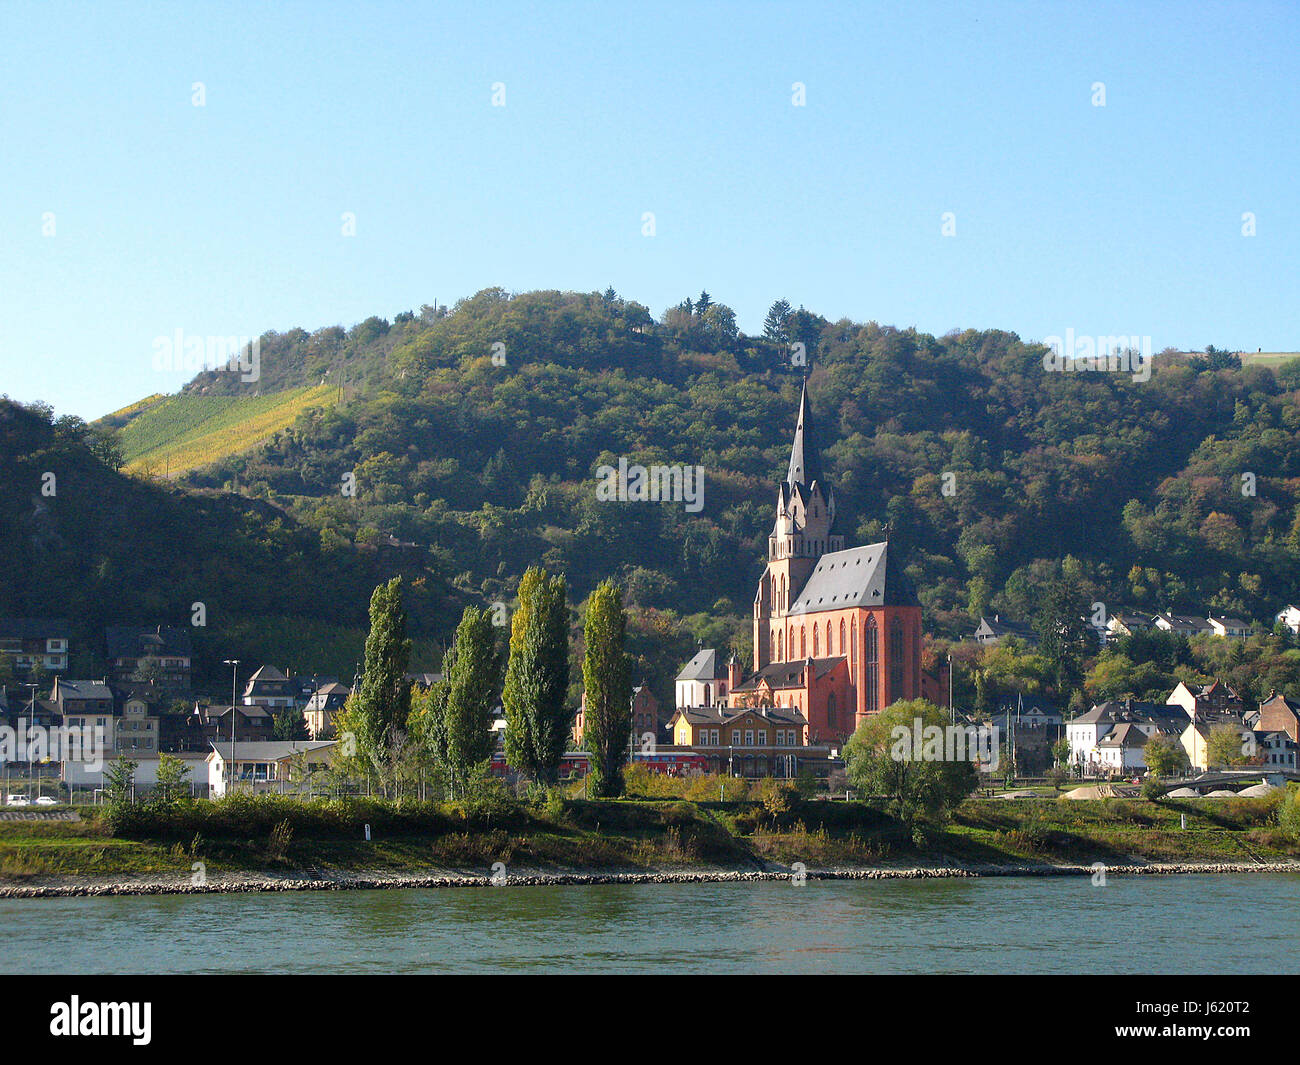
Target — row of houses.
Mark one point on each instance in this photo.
(161, 655)
(1111, 738)
(997, 628)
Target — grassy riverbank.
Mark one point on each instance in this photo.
(279, 836)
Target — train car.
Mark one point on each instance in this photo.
(670, 763)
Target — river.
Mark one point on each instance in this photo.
(1170, 924)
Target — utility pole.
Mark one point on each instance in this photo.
(952, 710)
(233, 663)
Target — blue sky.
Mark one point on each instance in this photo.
(226, 219)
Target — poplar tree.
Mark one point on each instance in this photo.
(607, 687)
(472, 676)
(384, 702)
(537, 678)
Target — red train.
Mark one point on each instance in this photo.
(665, 762)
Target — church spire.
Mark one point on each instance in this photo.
(805, 464)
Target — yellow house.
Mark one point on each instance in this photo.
(1195, 740)
(746, 741)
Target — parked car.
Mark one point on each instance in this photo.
(45, 800)
(18, 800)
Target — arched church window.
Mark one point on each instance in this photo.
(841, 636)
(830, 710)
(896, 653)
(871, 666)
(803, 642)
(815, 651)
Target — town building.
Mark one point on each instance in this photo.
(1231, 628)
(1279, 713)
(325, 702)
(1277, 750)
(269, 689)
(1205, 700)
(748, 741)
(1126, 623)
(281, 766)
(157, 654)
(1195, 739)
(1289, 616)
(251, 723)
(994, 630)
(1183, 624)
(35, 645)
(703, 681)
(644, 710)
(1087, 733)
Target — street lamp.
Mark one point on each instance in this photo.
(233, 663)
(31, 762)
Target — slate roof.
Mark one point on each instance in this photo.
(855, 577)
(250, 711)
(1125, 735)
(705, 715)
(997, 627)
(786, 674)
(704, 666)
(805, 462)
(82, 689)
(132, 641)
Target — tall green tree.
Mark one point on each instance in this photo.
(607, 688)
(776, 326)
(537, 678)
(1065, 638)
(384, 702)
(472, 675)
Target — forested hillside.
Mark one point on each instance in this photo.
(492, 466)
(474, 434)
(82, 541)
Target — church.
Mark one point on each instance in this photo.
(837, 631)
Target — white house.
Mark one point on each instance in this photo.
(1183, 623)
(1230, 627)
(1290, 617)
(1124, 748)
(270, 765)
(1088, 733)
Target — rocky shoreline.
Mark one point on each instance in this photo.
(75, 887)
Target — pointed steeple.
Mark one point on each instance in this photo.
(805, 463)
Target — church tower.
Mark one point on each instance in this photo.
(802, 533)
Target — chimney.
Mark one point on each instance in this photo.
(733, 674)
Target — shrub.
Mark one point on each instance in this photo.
(278, 843)
(1288, 813)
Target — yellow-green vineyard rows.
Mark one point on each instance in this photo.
(180, 433)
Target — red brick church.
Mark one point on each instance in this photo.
(837, 631)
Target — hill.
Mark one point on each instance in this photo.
(474, 434)
(81, 540)
(493, 466)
